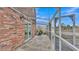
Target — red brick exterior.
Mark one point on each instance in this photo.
(29, 12)
(33, 28)
(11, 30)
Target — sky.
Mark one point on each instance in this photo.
(47, 13)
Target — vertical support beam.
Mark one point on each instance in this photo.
(54, 34)
(49, 30)
(74, 38)
(59, 28)
(50, 35)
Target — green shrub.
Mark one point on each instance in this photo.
(40, 32)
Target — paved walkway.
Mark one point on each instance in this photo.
(39, 43)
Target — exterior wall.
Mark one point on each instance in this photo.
(11, 29)
(29, 12)
(33, 28)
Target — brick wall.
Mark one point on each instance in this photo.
(29, 12)
(33, 28)
(11, 30)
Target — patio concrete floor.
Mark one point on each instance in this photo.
(38, 43)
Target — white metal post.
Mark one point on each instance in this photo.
(50, 30)
(59, 28)
(54, 34)
(74, 38)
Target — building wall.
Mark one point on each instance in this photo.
(29, 12)
(11, 30)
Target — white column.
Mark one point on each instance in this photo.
(54, 35)
(50, 30)
(74, 38)
(59, 28)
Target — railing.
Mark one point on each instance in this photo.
(65, 45)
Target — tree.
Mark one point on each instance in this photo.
(62, 24)
(68, 26)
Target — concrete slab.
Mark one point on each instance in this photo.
(38, 43)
